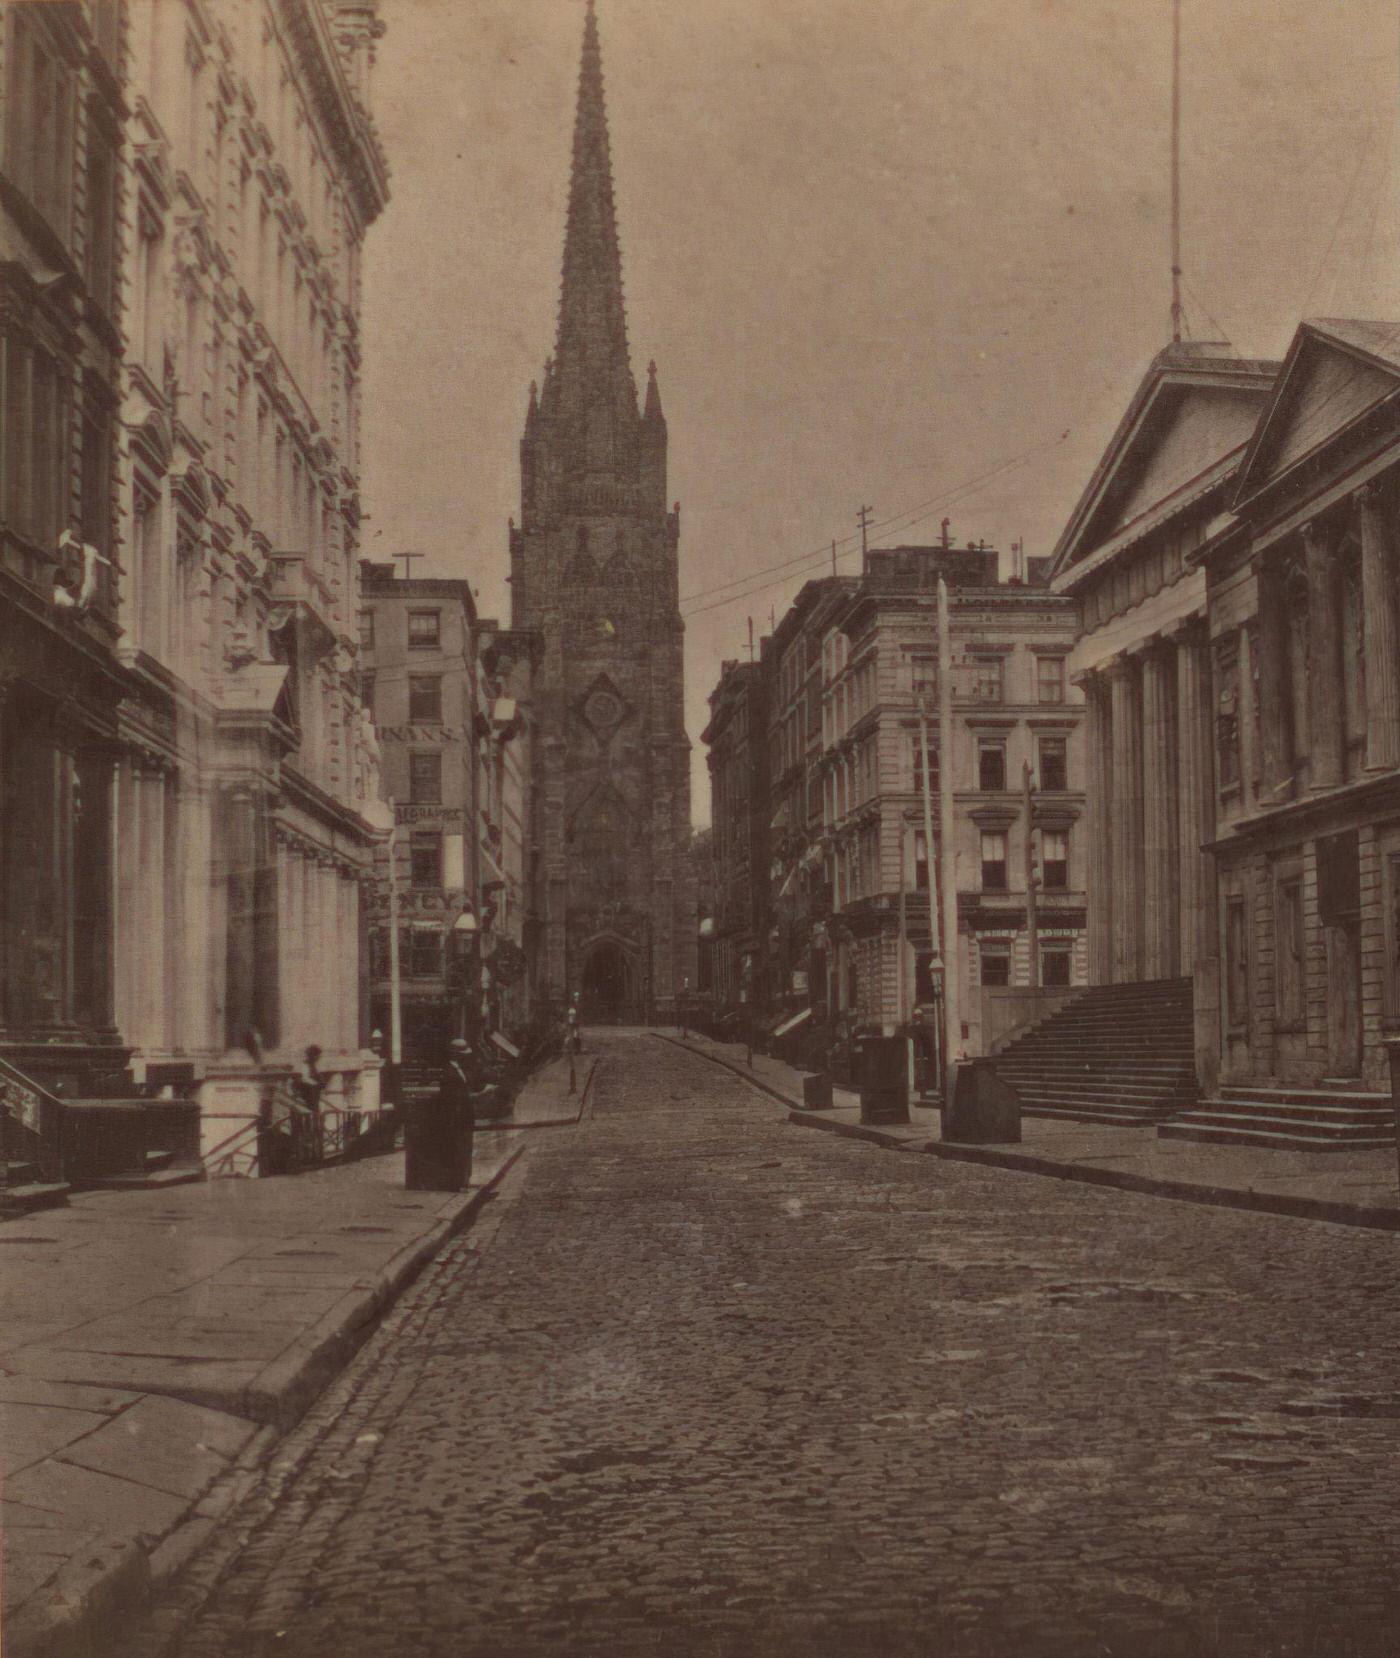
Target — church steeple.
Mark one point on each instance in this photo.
(594, 395)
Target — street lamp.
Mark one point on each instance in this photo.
(462, 941)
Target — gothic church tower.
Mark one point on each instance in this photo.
(594, 571)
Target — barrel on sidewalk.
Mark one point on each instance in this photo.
(884, 1069)
(983, 1109)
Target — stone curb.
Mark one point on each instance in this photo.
(117, 1577)
(1364, 1215)
(1188, 1191)
(590, 1065)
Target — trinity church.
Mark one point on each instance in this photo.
(594, 572)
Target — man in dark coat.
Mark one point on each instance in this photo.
(439, 1138)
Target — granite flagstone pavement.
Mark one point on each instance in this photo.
(154, 1344)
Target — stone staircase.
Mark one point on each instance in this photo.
(1337, 1118)
(1121, 1055)
(25, 1189)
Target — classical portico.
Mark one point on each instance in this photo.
(1151, 791)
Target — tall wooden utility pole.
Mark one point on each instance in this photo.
(863, 517)
(1032, 885)
(408, 559)
(948, 869)
(935, 966)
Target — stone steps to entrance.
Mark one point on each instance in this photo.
(161, 1170)
(1106, 1115)
(1117, 1054)
(1293, 1119)
(24, 1192)
(1282, 1138)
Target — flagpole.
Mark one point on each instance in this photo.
(947, 865)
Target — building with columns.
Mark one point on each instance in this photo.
(1302, 588)
(595, 572)
(249, 771)
(1239, 651)
(1142, 661)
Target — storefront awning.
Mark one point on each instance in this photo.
(793, 1022)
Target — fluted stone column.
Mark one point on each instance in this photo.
(1326, 694)
(1276, 762)
(1195, 793)
(1125, 790)
(1159, 815)
(1382, 638)
(152, 919)
(1099, 805)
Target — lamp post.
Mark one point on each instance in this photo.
(463, 939)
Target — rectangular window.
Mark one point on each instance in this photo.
(994, 861)
(1054, 859)
(366, 630)
(1236, 963)
(367, 689)
(425, 858)
(101, 213)
(987, 679)
(1050, 679)
(991, 766)
(425, 778)
(38, 141)
(923, 673)
(1054, 966)
(424, 953)
(425, 699)
(995, 957)
(424, 630)
(1054, 764)
(1290, 950)
(920, 862)
(97, 482)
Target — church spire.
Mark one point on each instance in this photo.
(593, 374)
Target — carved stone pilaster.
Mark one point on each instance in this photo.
(1326, 693)
(1380, 632)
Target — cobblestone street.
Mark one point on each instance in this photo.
(702, 1383)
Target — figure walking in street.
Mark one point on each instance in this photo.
(439, 1134)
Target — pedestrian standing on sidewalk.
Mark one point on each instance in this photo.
(438, 1135)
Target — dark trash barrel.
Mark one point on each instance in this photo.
(984, 1110)
(882, 1066)
(816, 1092)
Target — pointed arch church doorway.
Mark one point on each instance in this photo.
(608, 986)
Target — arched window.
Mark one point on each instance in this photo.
(599, 849)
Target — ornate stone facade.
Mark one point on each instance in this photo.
(243, 805)
(61, 105)
(594, 569)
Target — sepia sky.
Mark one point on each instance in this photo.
(879, 249)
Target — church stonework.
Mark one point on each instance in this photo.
(594, 570)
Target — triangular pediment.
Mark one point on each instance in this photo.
(1336, 373)
(1195, 407)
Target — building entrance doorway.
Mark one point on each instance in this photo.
(1339, 910)
(607, 986)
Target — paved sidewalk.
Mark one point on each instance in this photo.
(1351, 1188)
(155, 1345)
